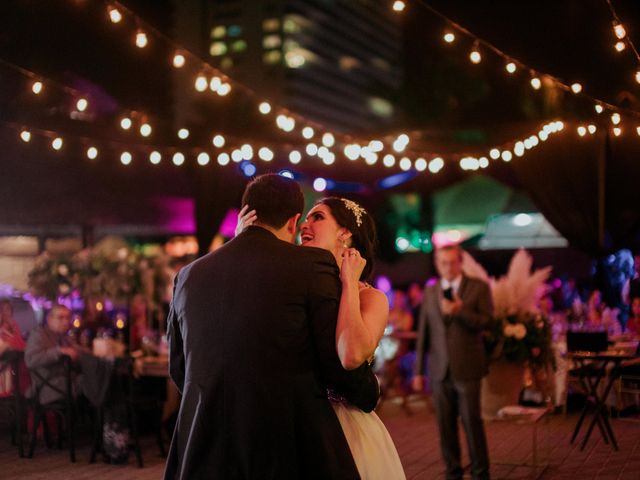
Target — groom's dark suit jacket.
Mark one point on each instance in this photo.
(252, 349)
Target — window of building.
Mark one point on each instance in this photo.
(271, 24)
(380, 106)
(234, 30)
(271, 41)
(291, 25)
(381, 64)
(217, 49)
(272, 57)
(298, 57)
(218, 32)
(239, 46)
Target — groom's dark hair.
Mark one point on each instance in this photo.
(274, 198)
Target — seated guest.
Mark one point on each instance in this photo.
(10, 339)
(633, 324)
(45, 348)
(601, 317)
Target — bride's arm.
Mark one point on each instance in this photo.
(362, 316)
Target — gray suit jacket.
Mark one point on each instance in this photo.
(454, 342)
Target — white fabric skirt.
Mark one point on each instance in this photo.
(371, 445)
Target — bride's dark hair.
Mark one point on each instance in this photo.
(363, 236)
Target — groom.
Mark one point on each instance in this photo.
(252, 350)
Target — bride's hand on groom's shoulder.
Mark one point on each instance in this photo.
(352, 266)
(245, 219)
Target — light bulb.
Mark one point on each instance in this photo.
(352, 151)
(494, 153)
(215, 83)
(201, 83)
(311, 149)
(436, 164)
(405, 164)
(178, 60)
(155, 157)
(141, 39)
(507, 156)
(638, 130)
(307, 132)
(203, 159)
(638, 76)
(376, 146)
(265, 154)
(223, 159)
(475, 57)
(25, 135)
(399, 6)
(598, 108)
(582, 131)
(576, 88)
(483, 162)
(519, 149)
(114, 15)
(617, 131)
(328, 140)
(247, 151)
(236, 156)
(224, 89)
(592, 129)
(218, 141)
(511, 67)
(295, 157)
(420, 164)
(619, 30)
(92, 153)
(615, 118)
(36, 87)
(389, 160)
(449, 37)
(265, 108)
(125, 123)
(145, 129)
(177, 159)
(183, 134)
(319, 184)
(125, 158)
(536, 83)
(56, 144)
(620, 46)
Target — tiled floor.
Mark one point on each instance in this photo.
(417, 440)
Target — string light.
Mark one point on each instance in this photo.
(145, 129)
(405, 164)
(295, 157)
(201, 83)
(125, 158)
(536, 83)
(183, 134)
(82, 104)
(483, 162)
(592, 129)
(617, 131)
(141, 39)
(576, 88)
(449, 37)
(92, 153)
(376, 146)
(420, 164)
(155, 157)
(582, 131)
(203, 159)
(25, 135)
(638, 76)
(436, 164)
(519, 149)
(620, 46)
(265, 108)
(638, 130)
(36, 87)
(215, 83)
(218, 141)
(178, 159)
(125, 123)
(265, 154)
(224, 89)
(328, 140)
(178, 60)
(475, 56)
(510, 67)
(599, 109)
(307, 132)
(494, 154)
(352, 151)
(114, 15)
(237, 156)
(223, 159)
(311, 149)
(247, 151)
(389, 160)
(399, 6)
(506, 156)
(615, 118)
(56, 144)
(619, 30)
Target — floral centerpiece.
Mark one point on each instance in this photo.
(519, 332)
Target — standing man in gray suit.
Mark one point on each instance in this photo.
(454, 313)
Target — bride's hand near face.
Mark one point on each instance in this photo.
(351, 267)
(246, 218)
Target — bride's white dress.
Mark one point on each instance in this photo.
(371, 445)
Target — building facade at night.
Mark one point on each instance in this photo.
(335, 62)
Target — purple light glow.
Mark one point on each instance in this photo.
(228, 225)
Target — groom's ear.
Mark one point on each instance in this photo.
(292, 224)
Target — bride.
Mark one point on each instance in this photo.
(344, 228)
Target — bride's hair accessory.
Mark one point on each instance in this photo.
(356, 209)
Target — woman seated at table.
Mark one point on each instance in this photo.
(633, 324)
(10, 339)
(599, 316)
